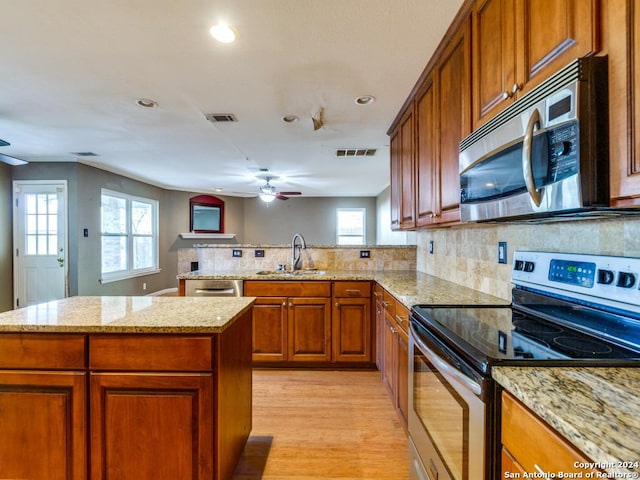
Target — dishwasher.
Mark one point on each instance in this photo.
(213, 288)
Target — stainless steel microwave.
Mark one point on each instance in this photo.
(546, 154)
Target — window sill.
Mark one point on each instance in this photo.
(127, 275)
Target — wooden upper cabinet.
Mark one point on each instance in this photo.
(519, 43)
(453, 77)
(407, 203)
(426, 153)
(396, 178)
(624, 103)
(494, 56)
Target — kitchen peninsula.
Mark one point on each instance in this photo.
(125, 387)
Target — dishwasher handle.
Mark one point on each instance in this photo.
(215, 292)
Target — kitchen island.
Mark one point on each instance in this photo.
(125, 387)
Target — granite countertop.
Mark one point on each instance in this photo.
(146, 314)
(595, 408)
(407, 286)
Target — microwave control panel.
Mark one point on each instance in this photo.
(564, 151)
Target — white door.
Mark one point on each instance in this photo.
(40, 241)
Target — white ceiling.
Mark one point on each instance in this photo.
(72, 71)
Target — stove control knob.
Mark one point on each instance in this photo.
(518, 265)
(605, 277)
(626, 280)
(529, 266)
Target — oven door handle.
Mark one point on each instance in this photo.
(444, 366)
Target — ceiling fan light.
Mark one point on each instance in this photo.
(267, 197)
(223, 33)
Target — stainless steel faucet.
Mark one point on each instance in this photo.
(295, 250)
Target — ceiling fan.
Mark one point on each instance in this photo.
(9, 159)
(267, 192)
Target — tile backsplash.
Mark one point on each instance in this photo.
(220, 258)
(468, 255)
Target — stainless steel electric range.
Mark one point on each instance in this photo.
(567, 309)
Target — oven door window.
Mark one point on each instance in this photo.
(444, 414)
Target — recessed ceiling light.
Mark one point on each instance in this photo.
(146, 103)
(218, 189)
(223, 33)
(365, 100)
(290, 119)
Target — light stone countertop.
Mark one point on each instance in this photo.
(595, 408)
(408, 286)
(146, 314)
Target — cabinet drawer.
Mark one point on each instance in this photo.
(402, 316)
(352, 289)
(34, 350)
(146, 353)
(532, 443)
(286, 288)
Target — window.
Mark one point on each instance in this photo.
(351, 226)
(129, 236)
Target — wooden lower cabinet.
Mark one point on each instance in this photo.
(309, 329)
(270, 329)
(530, 445)
(312, 322)
(156, 426)
(43, 425)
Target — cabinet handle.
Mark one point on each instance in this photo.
(537, 467)
(352, 293)
(376, 294)
(506, 95)
(386, 304)
(399, 319)
(516, 86)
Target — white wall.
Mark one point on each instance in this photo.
(386, 236)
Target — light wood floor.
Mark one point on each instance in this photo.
(323, 425)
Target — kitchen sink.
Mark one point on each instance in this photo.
(288, 272)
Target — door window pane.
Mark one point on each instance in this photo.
(41, 223)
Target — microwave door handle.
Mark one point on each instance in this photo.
(527, 164)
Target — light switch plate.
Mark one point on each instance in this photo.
(502, 252)
(236, 253)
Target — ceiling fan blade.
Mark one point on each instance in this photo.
(281, 197)
(4, 143)
(12, 160)
(289, 193)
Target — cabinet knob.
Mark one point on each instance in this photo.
(290, 304)
(284, 304)
(337, 304)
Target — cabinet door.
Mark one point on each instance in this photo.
(494, 57)
(309, 332)
(351, 330)
(552, 34)
(624, 84)
(379, 328)
(269, 328)
(389, 370)
(402, 375)
(407, 190)
(156, 426)
(426, 153)
(43, 424)
(396, 178)
(454, 84)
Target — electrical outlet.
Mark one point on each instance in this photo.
(144, 285)
(502, 252)
(85, 232)
(236, 253)
(431, 247)
(259, 253)
(194, 266)
(365, 253)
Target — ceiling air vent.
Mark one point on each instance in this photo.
(355, 152)
(221, 117)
